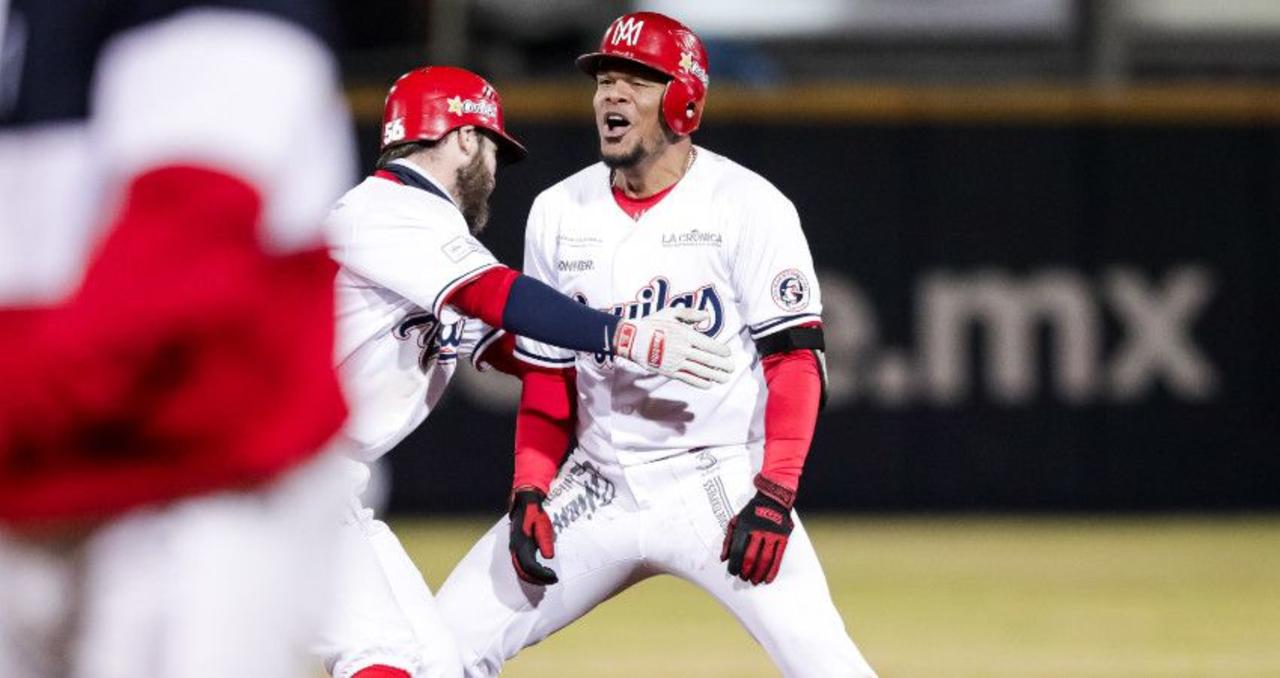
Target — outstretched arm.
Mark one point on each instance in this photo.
(664, 342)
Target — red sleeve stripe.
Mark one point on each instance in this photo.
(484, 295)
(444, 296)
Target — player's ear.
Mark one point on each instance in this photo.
(468, 140)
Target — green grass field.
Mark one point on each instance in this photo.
(958, 597)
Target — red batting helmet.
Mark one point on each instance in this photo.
(664, 45)
(427, 103)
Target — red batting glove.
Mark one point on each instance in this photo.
(531, 533)
(757, 536)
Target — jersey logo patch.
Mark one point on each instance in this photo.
(693, 238)
(438, 342)
(461, 246)
(791, 290)
(564, 240)
(656, 296)
(575, 265)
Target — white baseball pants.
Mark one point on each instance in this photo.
(384, 612)
(618, 526)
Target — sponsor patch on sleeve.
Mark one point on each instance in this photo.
(791, 290)
(458, 248)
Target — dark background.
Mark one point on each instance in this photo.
(886, 204)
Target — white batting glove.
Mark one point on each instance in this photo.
(666, 343)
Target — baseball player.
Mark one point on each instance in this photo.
(663, 479)
(417, 293)
(166, 498)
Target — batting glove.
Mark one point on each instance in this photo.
(667, 343)
(757, 536)
(531, 533)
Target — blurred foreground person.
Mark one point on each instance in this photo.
(166, 336)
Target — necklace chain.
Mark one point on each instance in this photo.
(688, 163)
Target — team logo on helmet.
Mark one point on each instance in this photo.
(791, 290)
(393, 131)
(689, 64)
(460, 106)
(627, 29)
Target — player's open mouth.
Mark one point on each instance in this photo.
(615, 126)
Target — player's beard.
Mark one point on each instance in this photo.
(644, 149)
(625, 159)
(475, 184)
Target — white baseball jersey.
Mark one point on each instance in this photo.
(724, 240)
(403, 250)
(629, 503)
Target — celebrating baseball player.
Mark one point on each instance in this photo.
(417, 292)
(663, 479)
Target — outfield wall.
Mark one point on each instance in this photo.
(1035, 299)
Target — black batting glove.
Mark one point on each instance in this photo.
(757, 537)
(531, 533)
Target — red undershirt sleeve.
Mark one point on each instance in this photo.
(485, 297)
(544, 424)
(794, 387)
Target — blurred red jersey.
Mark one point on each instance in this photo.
(166, 300)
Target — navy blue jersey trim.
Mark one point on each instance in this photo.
(774, 322)
(409, 177)
(483, 345)
(545, 359)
